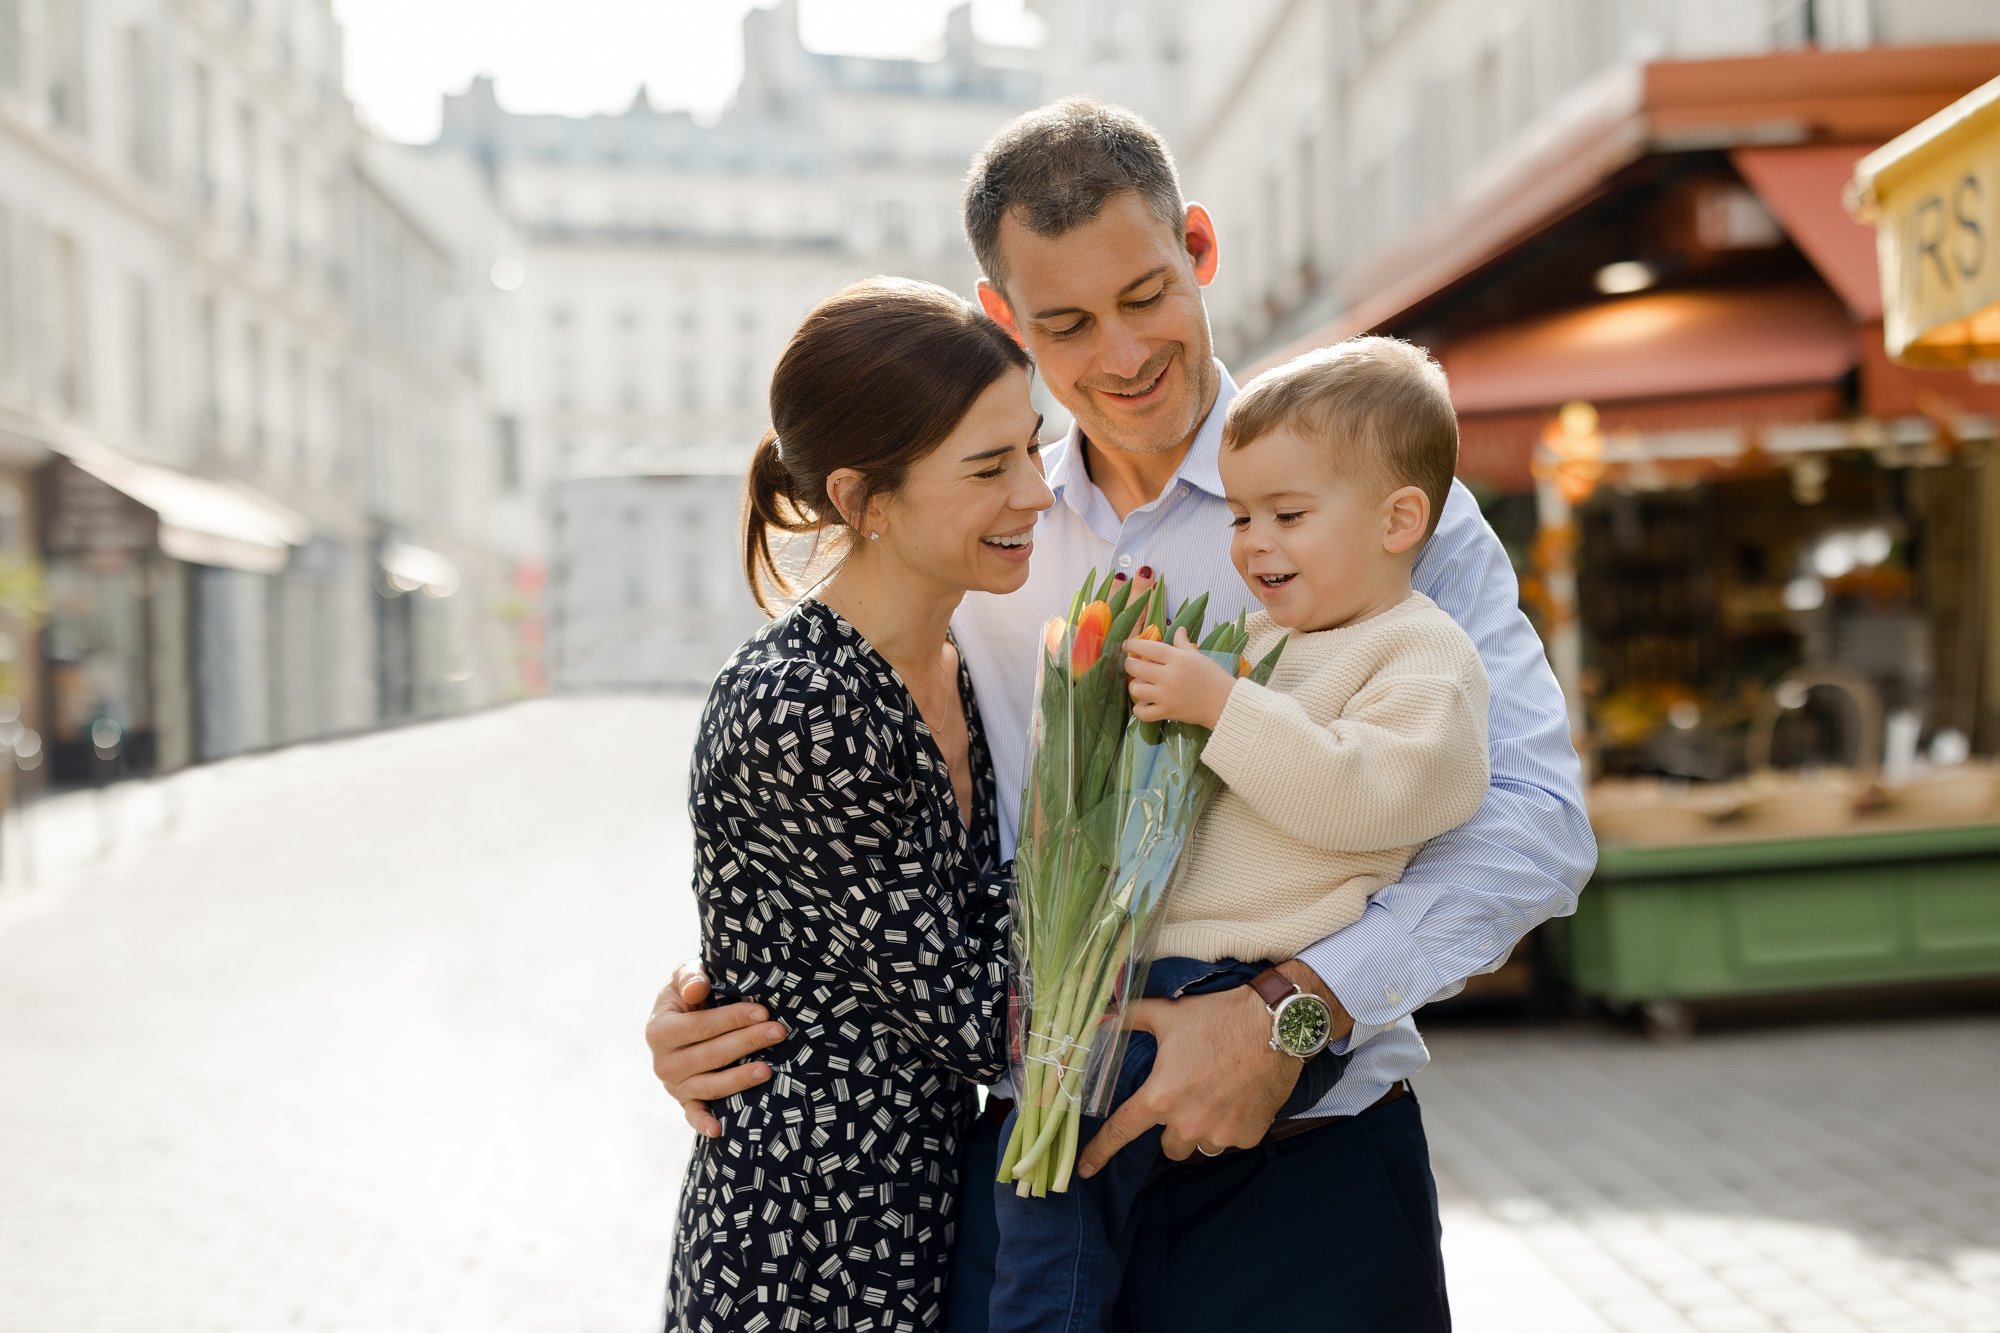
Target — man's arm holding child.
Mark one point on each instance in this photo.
(1463, 903)
(1469, 896)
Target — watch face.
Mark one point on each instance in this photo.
(1303, 1025)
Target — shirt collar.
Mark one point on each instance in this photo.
(1071, 482)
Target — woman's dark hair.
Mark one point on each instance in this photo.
(874, 379)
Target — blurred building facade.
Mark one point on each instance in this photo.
(667, 261)
(245, 439)
(1337, 140)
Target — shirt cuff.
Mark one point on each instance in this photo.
(1375, 970)
(1358, 1036)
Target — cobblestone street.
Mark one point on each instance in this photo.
(348, 1038)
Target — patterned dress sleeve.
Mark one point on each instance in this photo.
(928, 950)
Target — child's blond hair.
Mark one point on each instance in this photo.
(1381, 400)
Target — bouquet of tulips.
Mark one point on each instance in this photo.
(1109, 803)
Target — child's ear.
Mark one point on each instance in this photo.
(1406, 514)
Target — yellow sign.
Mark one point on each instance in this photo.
(1934, 196)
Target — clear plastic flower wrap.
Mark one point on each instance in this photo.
(1108, 805)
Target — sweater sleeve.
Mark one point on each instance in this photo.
(929, 953)
(1405, 761)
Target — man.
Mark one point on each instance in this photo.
(1094, 261)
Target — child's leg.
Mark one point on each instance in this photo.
(1061, 1259)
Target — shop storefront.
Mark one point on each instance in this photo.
(156, 644)
(1782, 631)
(416, 660)
(1761, 551)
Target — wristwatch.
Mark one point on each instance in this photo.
(1301, 1022)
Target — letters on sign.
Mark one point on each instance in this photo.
(1950, 245)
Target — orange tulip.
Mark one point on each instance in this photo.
(1052, 635)
(1242, 667)
(1150, 632)
(1088, 645)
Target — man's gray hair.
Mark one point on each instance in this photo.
(1054, 169)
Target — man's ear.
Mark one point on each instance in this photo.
(1202, 248)
(1406, 515)
(996, 308)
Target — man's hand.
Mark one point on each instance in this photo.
(1176, 682)
(695, 1049)
(1216, 1082)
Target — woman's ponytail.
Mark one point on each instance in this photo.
(768, 503)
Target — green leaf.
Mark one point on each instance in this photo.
(1123, 624)
(1189, 618)
(1261, 673)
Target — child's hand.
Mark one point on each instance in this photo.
(1175, 682)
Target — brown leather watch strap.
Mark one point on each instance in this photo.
(1273, 987)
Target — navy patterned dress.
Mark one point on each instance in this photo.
(840, 885)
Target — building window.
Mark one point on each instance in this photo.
(10, 312)
(201, 95)
(210, 343)
(690, 385)
(246, 137)
(895, 225)
(507, 436)
(63, 33)
(68, 338)
(142, 106)
(253, 384)
(334, 461)
(295, 392)
(742, 387)
(289, 206)
(10, 46)
(695, 566)
(141, 333)
(635, 558)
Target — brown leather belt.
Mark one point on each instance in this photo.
(1305, 1124)
(997, 1109)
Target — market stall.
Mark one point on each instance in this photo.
(1779, 657)
(1783, 648)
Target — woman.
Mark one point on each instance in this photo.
(845, 831)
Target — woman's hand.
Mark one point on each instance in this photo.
(695, 1049)
(1176, 682)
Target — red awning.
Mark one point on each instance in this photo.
(1658, 362)
(1802, 187)
(1660, 345)
(1496, 448)
(1853, 96)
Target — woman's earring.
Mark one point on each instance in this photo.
(874, 536)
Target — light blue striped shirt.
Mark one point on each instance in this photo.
(1468, 897)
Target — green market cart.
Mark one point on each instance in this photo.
(1662, 927)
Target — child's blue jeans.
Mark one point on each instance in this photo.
(1062, 1258)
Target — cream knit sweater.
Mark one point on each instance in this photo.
(1369, 741)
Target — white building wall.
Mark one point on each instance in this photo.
(193, 273)
(1323, 133)
(666, 265)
